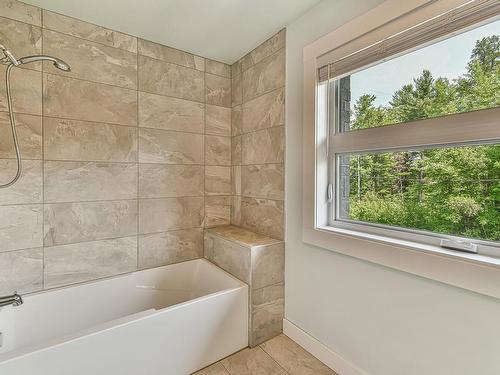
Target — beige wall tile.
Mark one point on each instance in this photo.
(246, 62)
(88, 221)
(236, 180)
(26, 91)
(218, 120)
(218, 90)
(217, 180)
(67, 181)
(217, 68)
(164, 214)
(21, 271)
(236, 91)
(268, 265)
(21, 227)
(199, 63)
(162, 146)
(236, 150)
(69, 264)
(263, 216)
(264, 111)
(270, 46)
(159, 249)
(88, 31)
(236, 210)
(229, 256)
(80, 100)
(236, 120)
(264, 146)
(165, 181)
(88, 141)
(267, 75)
(81, 125)
(91, 61)
(217, 211)
(164, 78)
(19, 11)
(29, 133)
(267, 313)
(267, 322)
(269, 294)
(263, 181)
(236, 68)
(250, 362)
(28, 189)
(21, 38)
(171, 55)
(162, 112)
(217, 150)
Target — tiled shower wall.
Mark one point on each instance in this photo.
(258, 100)
(126, 158)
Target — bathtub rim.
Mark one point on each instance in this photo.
(121, 321)
(124, 274)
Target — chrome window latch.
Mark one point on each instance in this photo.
(467, 247)
(329, 193)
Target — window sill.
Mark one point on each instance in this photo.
(477, 273)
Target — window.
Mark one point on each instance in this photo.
(412, 126)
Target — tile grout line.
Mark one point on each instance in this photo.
(205, 216)
(273, 359)
(224, 367)
(67, 34)
(264, 58)
(107, 200)
(137, 217)
(41, 26)
(267, 92)
(103, 239)
(24, 22)
(61, 75)
(180, 65)
(43, 160)
(114, 123)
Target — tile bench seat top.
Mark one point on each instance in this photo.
(242, 236)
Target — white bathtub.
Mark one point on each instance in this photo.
(171, 320)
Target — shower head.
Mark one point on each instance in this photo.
(8, 56)
(58, 63)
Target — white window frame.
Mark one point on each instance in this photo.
(476, 272)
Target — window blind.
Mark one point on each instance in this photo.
(445, 25)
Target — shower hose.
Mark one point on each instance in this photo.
(13, 129)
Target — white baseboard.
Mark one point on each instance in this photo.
(320, 351)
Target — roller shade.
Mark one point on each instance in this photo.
(446, 24)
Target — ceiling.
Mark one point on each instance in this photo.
(223, 30)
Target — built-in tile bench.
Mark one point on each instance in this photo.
(258, 261)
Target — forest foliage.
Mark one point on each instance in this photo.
(452, 190)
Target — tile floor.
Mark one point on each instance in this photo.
(278, 356)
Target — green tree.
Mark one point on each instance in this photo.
(449, 190)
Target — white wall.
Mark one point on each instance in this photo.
(384, 321)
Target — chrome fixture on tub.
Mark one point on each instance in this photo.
(14, 300)
(10, 60)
